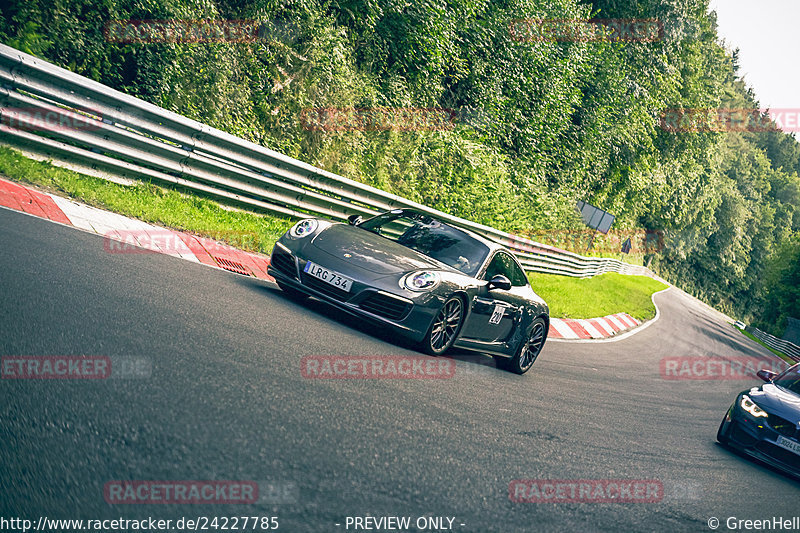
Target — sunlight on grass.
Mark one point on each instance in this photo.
(598, 296)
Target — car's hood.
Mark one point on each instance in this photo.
(778, 401)
(371, 252)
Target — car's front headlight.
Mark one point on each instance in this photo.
(303, 228)
(421, 281)
(751, 407)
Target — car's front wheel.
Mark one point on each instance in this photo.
(528, 351)
(445, 327)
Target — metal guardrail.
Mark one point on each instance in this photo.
(783, 346)
(129, 138)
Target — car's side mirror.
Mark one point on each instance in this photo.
(766, 375)
(354, 220)
(500, 282)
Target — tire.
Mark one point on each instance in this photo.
(528, 351)
(292, 293)
(445, 327)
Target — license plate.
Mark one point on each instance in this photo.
(329, 276)
(790, 445)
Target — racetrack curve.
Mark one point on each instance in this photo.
(226, 401)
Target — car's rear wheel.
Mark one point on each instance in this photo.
(292, 292)
(528, 351)
(445, 327)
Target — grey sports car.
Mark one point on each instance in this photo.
(434, 283)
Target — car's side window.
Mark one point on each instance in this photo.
(518, 277)
(496, 266)
(504, 264)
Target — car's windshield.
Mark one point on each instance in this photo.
(431, 237)
(789, 380)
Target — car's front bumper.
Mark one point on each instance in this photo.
(757, 438)
(409, 316)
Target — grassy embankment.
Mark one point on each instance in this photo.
(598, 296)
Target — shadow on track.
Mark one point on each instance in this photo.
(482, 362)
(759, 464)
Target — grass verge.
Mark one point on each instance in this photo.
(150, 203)
(598, 296)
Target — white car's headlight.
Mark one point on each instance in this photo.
(751, 407)
(421, 281)
(303, 228)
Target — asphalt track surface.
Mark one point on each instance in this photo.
(226, 401)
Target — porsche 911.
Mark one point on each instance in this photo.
(436, 284)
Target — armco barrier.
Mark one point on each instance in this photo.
(126, 137)
(786, 347)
